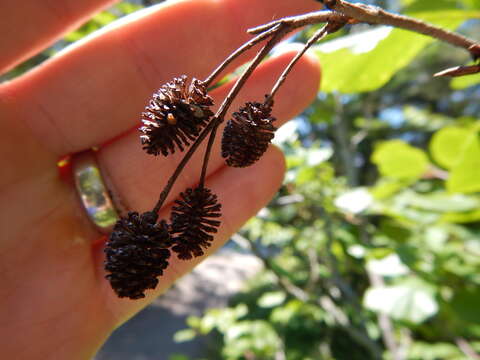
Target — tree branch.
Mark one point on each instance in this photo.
(355, 13)
(376, 15)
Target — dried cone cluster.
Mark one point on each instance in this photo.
(138, 249)
(247, 135)
(193, 222)
(175, 116)
(136, 254)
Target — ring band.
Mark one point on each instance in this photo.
(93, 193)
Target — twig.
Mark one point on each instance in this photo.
(467, 349)
(332, 261)
(385, 324)
(283, 282)
(345, 11)
(314, 272)
(324, 31)
(181, 166)
(208, 81)
(459, 71)
(344, 149)
(342, 320)
(297, 21)
(278, 33)
(211, 140)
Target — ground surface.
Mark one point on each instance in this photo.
(149, 335)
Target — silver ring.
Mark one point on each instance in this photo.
(93, 193)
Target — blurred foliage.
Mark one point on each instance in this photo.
(372, 246)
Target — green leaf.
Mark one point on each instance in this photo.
(397, 159)
(178, 357)
(256, 337)
(431, 5)
(465, 174)
(461, 217)
(428, 351)
(128, 7)
(385, 188)
(465, 304)
(463, 82)
(353, 67)
(271, 299)
(412, 301)
(442, 202)
(390, 265)
(447, 145)
(184, 335)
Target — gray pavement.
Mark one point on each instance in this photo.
(149, 335)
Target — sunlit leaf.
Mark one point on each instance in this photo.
(461, 217)
(184, 335)
(390, 265)
(443, 202)
(411, 301)
(354, 201)
(447, 145)
(463, 82)
(271, 299)
(465, 174)
(351, 66)
(400, 160)
(435, 351)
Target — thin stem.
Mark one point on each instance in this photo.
(467, 348)
(279, 31)
(345, 11)
(459, 71)
(375, 15)
(262, 36)
(317, 36)
(181, 165)
(297, 21)
(208, 151)
(384, 323)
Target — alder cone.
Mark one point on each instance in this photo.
(247, 135)
(136, 254)
(175, 116)
(192, 222)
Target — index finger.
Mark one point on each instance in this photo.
(96, 90)
(27, 26)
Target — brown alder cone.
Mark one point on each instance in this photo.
(136, 254)
(193, 223)
(247, 135)
(175, 116)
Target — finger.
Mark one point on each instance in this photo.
(95, 91)
(242, 193)
(29, 26)
(138, 177)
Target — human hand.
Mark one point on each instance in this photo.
(55, 302)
